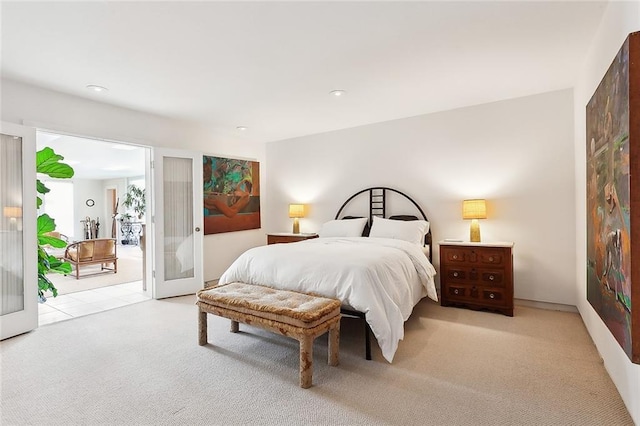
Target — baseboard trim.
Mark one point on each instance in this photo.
(546, 305)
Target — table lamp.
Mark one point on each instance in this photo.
(296, 211)
(474, 210)
(13, 213)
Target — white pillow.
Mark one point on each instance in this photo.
(342, 228)
(407, 230)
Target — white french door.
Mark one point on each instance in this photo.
(18, 249)
(177, 222)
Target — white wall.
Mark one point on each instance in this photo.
(518, 154)
(58, 204)
(84, 189)
(620, 19)
(54, 111)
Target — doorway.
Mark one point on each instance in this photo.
(93, 206)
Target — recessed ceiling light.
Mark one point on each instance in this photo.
(241, 128)
(97, 88)
(338, 93)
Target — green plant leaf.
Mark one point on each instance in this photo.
(52, 241)
(41, 187)
(38, 202)
(44, 284)
(45, 224)
(46, 154)
(61, 267)
(57, 265)
(48, 163)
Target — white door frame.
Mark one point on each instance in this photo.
(148, 256)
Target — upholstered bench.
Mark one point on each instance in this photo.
(300, 316)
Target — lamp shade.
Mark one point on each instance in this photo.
(296, 210)
(12, 212)
(474, 209)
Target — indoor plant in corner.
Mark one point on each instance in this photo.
(135, 199)
(48, 163)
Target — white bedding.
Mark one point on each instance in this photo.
(383, 278)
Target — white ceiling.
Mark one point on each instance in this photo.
(94, 159)
(269, 66)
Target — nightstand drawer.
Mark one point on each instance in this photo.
(462, 292)
(456, 255)
(457, 274)
(288, 238)
(481, 256)
(493, 296)
(494, 278)
(473, 276)
(271, 239)
(491, 257)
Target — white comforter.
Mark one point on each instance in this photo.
(383, 278)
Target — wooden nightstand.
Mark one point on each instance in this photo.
(477, 275)
(286, 237)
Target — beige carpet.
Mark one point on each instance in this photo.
(129, 270)
(141, 364)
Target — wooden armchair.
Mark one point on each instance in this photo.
(91, 252)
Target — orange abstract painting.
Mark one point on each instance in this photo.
(231, 194)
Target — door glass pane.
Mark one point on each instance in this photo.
(11, 244)
(179, 248)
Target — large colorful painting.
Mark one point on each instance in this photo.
(231, 194)
(613, 198)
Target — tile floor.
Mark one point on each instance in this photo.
(87, 302)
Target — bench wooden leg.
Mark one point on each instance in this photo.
(202, 328)
(367, 340)
(235, 326)
(306, 361)
(334, 344)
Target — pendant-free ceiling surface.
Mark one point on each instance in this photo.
(269, 66)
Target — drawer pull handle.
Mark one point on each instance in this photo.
(456, 291)
(492, 296)
(490, 258)
(491, 277)
(455, 274)
(455, 256)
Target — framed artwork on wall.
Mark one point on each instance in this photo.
(613, 198)
(231, 194)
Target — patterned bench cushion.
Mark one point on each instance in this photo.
(289, 307)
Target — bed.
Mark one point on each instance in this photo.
(377, 266)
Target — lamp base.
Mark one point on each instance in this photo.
(474, 231)
(296, 226)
